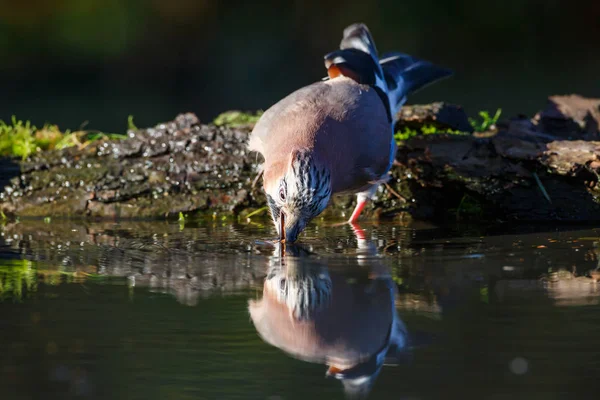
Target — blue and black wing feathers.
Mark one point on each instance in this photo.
(394, 76)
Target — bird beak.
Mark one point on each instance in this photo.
(289, 227)
(282, 227)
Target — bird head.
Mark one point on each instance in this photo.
(297, 191)
(304, 289)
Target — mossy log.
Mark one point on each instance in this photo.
(543, 168)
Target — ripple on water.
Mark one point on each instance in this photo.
(161, 309)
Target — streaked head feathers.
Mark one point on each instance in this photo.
(301, 192)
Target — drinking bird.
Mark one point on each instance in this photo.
(336, 135)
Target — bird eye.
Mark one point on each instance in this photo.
(282, 193)
(282, 284)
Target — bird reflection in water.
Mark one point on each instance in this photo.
(342, 317)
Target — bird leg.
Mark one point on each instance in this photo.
(367, 257)
(361, 202)
(360, 205)
(358, 232)
(366, 248)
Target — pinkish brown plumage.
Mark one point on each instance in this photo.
(322, 316)
(341, 122)
(349, 330)
(336, 135)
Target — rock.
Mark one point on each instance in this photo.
(524, 170)
(572, 117)
(441, 115)
(568, 157)
(9, 169)
(179, 166)
(520, 173)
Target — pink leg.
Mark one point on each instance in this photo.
(358, 231)
(361, 202)
(360, 205)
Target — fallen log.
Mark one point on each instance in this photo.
(543, 168)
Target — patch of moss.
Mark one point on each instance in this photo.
(19, 278)
(16, 275)
(486, 122)
(237, 118)
(22, 139)
(424, 130)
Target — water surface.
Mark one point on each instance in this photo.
(161, 310)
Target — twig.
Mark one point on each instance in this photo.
(257, 178)
(392, 191)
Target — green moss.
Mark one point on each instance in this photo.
(237, 118)
(19, 278)
(15, 275)
(424, 130)
(130, 124)
(17, 139)
(487, 121)
(22, 139)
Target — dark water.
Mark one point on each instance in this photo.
(161, 311)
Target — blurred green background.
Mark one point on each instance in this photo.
(72, 62)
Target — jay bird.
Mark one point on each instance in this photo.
(336, 135)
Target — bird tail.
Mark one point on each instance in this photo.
(357, 58)
(394, 77)
(358, 37)
(405, 75)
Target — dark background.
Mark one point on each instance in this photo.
(71, 61)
